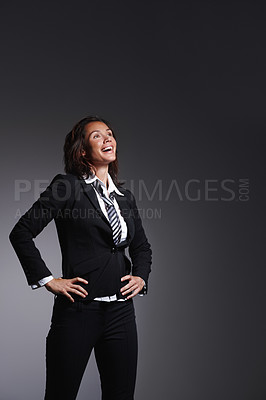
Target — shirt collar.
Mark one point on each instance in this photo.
(111, 186)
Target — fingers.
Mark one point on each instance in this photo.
(134, 286)
(70, 297)
(127, 289)
(77, 279)
(77, 289)
(126, 278)
(67, 286)
(133, 294)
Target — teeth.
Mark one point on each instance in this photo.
(107, 148)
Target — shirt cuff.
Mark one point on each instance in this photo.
(42, 282)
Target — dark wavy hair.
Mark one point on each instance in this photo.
(75, 162)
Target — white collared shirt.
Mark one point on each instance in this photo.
(111, 188)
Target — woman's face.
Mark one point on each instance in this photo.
(101, 144)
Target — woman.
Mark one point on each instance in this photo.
(96, 221)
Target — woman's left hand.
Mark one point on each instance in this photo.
(135, 285)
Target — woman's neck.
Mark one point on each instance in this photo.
(102, 173)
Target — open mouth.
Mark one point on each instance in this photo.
(107, 149)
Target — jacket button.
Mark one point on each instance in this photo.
(113, 249)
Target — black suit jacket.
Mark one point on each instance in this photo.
(85, 237)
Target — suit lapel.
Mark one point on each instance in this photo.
(88, 190)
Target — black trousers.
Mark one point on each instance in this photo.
(77, 328)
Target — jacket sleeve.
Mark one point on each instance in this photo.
(139, 248)
(53, 199)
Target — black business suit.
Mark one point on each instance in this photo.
(88, 250)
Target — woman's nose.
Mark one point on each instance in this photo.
(107, 138)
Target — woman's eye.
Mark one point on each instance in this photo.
(96, 136)
(110, 133)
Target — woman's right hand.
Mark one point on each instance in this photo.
(64, 286)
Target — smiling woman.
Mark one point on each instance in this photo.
(93, 305)
(100, 147)
(79, 146)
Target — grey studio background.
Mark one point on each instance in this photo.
(184, 85)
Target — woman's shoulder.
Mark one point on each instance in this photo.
(63, 183)
(68, 177)
(64, 178)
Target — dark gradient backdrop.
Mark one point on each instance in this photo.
(184, 85)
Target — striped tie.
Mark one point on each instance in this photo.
(111, 211)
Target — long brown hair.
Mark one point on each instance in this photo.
(75, 161)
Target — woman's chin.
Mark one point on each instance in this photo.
(103, 161)
(109, 158)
